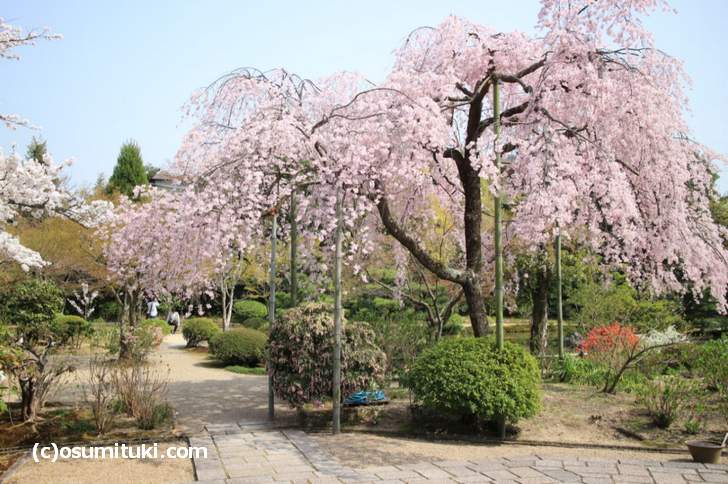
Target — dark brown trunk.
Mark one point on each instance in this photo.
(476, 309)
(128, 323)
(539, 313)
(472, 219)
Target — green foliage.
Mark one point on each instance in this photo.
(109, 310)
(246, 309)
(712, 363)
(32, 305)
(455, 325)
(159, 323)
(665, 398)
(300, 350)
(599, 302)
(401, 339)
(37, 150)
(70, 329)
(256, 323)
(129, 171)
(239, 346)
(197, 330)
(471, 377)
(582, 371)
(246, 370)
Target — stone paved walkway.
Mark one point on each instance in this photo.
(242, 454)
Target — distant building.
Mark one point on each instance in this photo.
(167, 181)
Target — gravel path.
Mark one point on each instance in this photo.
(203, 393)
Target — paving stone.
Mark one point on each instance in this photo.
(501, 475)
(461, 471)
(714, 476)
(667, 477)
(561, 475)
(549, 463)
(597, 480)
(523, 472)
(626, 479)
(632, 470)
(248, 480)
(210, 473)
(398, 475)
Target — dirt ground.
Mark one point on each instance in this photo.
(110, 471)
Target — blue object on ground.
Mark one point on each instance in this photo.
(365, 398)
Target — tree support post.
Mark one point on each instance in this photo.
(499, 334)
(336, 397)
(272, 308)
(294, 250)
(559, 300)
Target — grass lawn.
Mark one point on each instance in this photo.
(244, 370)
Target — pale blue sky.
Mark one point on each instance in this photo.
(124, 69)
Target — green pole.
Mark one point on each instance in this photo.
(336, 397)
(272, 308)
(294, 251)
(499, 336)
(559, 296)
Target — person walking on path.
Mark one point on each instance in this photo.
(152, 306)
(173, 319)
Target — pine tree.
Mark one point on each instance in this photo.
(129, 171)
(37, 150)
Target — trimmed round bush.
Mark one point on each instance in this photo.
(300, 354)
(197, 330)
(239, 346)
(69, 328)
(256, 323)
(159, 323)
(470, 377)
(245, 309)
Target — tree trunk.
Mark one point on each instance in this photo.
(539, 313)
(476, 308)
(27, 397)
(128, 323)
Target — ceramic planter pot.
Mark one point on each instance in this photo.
(705, 451)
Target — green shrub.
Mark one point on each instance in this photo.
(666, 398)
(143, 340)
(159, 323)
(471, 377)
(300, 349)
(401, 336)
(247, 309)
(256, 323)
(109, 311)
(70, 329)
(582, 371)
(454, 326)
(197, 330)
(712, 363)
(32, 306)
(239, 346)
